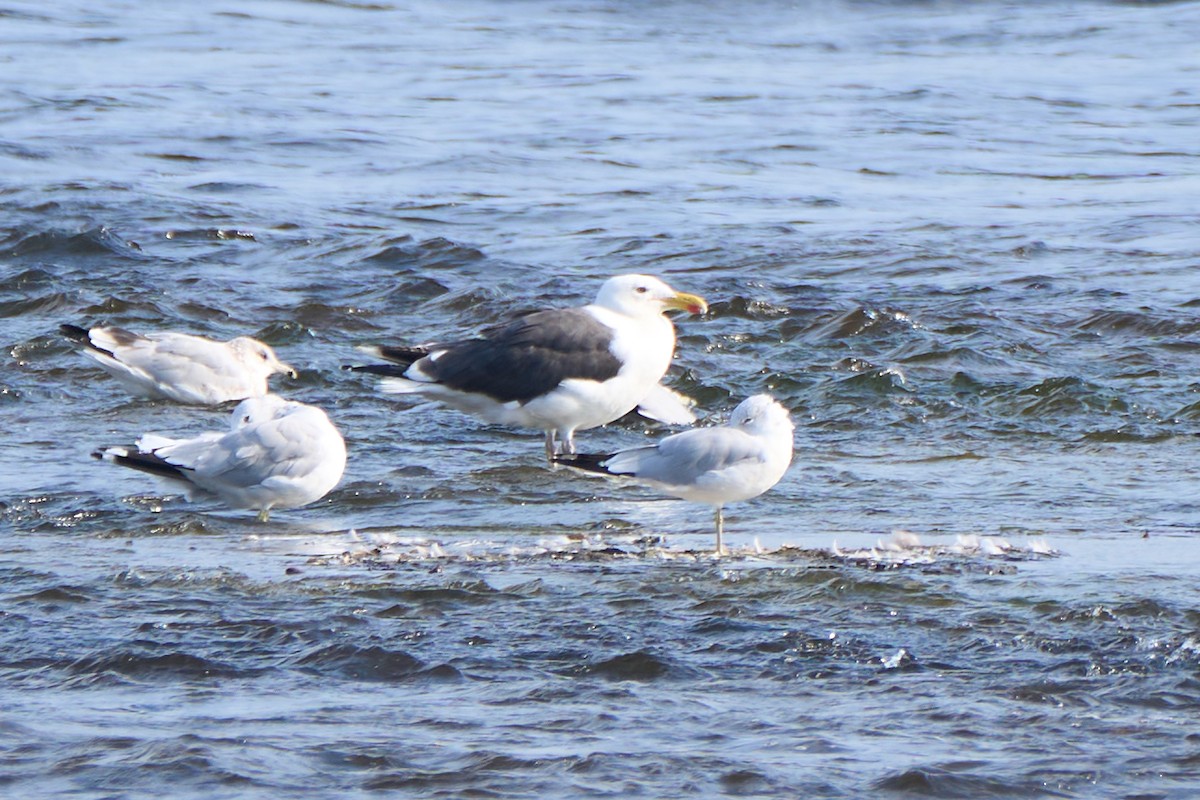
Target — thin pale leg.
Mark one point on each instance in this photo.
(264, 515)
(720, 518)
(553, 447)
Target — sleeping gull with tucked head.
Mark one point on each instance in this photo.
(718, 465)
(276, 454)
(181, 367)
(557, 371)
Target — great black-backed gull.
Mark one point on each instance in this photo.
(557, 371)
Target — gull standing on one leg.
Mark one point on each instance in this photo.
(724, 464)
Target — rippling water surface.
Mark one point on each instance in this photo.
(958, 240)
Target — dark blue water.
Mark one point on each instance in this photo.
(957, 240)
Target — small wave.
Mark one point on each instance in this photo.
(1031, 250)
(960, 357)
(176, 157)
(16, 150)
(641, 666)
(746, 783)
(49, 511)
(905, 548)
(54, 596)
(210, 234)
(1190, 411)
(224, 187)
(1127, 435)
(864, 322)
(480, 774)
(454, 595)
(55, 244)
(144, 766)
(128, 306)
(817, 650)
(23, 15)
(436, 253)
(45, 304)
(372, 663)
(217, 579)
(28, 280)
(480, 302)
(192, 524)
(954, 781)
(146, 666)
(747, 308)
(1139, 323)
(316, 316)
(1064, 395)
(417, 289)
(876, 381)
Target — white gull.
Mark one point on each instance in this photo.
(276, 454)
(717, 465)
(179, 366)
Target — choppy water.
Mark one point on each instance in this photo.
(957, 239)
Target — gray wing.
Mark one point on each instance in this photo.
(681, 460)
(182, 360)
(243, 457)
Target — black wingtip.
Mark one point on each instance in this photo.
(588, 462)
(399, 358)
(83, 336)
(143, 462)
(405, 356)
(74, 333)
(386, 370)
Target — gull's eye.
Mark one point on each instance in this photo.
(246, 419)
(642, 289)
(263, 355)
